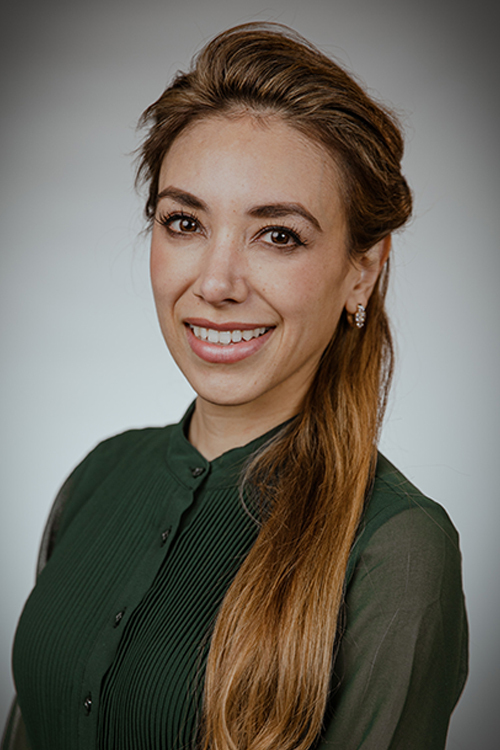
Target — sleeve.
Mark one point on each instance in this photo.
(402, 661)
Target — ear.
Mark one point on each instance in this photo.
(369, 268)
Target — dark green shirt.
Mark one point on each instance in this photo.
(111, 646)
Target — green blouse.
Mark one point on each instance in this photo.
(111, 646)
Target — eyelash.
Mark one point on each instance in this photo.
(167, 220)
(293, 234)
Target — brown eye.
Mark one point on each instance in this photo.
(284, 237)
(179, 223)
(187, 225)
(278, 237)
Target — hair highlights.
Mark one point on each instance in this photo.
(269, 666)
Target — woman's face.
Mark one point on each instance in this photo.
(248, 260)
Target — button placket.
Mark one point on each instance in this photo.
(155, 539)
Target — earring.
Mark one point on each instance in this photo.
(360, 317)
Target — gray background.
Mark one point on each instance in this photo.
(82, 357)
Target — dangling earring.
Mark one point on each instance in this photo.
(358, 319)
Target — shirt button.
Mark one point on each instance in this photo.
(197, 471)
(118, 618)
(87, 704)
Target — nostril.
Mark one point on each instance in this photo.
(219, 290)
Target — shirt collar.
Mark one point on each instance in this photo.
(191, 468)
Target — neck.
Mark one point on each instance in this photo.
(215, 429)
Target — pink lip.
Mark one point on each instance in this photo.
(230, 353)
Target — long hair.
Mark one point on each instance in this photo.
(269, 666)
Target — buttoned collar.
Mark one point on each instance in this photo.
(192, 469)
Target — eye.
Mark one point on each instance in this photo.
(282, 236)
(278, 237)
(179, 223)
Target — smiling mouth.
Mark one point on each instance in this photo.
(224, 338)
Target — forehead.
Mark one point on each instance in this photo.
(245, 155)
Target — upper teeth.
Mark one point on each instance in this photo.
(226, 337)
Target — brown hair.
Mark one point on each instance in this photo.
(269, 666)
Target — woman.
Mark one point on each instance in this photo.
(256, 576)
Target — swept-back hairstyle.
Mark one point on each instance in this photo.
(269, 667)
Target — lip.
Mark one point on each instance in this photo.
(230, 353)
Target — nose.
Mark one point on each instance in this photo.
(222, 278)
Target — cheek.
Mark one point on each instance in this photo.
(168, 277)
(311, 297)
(157, 263)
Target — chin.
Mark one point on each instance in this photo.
(226, 397)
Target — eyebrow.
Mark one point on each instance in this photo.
(278, 210)
(186, 199)
(271, 211)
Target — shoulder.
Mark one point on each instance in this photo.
(395, 500)
(106, 458)
(393, 493)
(408, 537)
(113, 452)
